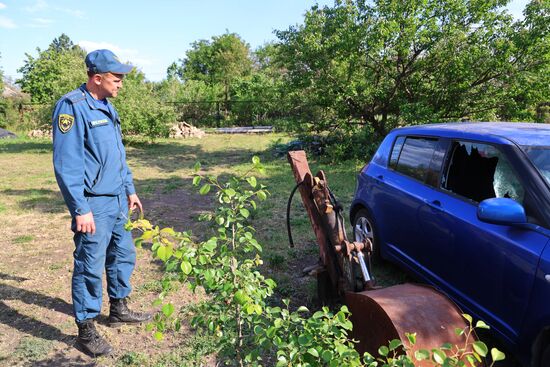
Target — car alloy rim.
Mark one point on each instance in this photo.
(363, 230)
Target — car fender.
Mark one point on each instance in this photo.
(536, 327)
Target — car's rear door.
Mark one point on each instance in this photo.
(401, 191)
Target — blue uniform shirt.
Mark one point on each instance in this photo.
(88, 155)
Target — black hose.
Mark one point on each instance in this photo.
(290, 241)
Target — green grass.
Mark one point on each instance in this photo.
(32, 349)
(23, 239)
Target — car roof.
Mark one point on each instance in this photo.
(521, 133)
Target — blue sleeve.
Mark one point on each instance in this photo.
(68, 156)
(129, 181)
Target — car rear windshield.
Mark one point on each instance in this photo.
(540, 156)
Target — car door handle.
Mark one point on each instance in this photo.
(435, 204)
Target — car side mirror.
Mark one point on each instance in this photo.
(501, 211)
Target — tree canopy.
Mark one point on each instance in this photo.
(54, 72)
(387, 62)
(222, 60)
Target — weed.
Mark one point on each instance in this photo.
(23, 239)
(276, 261)
(173, 183)
(132, 359)
(57, 266)
(33, 349)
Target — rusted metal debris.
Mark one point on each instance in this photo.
(379, 315)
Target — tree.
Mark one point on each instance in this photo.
(221, 61)
(383, 63)
(140, 110)
(57, 70)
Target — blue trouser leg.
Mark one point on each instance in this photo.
(109, 248)
(121, 256)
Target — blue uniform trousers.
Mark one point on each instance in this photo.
(111, 247)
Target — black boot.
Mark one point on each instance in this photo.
(121, 314)
(90, 340)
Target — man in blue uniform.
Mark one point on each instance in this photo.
(90, 167)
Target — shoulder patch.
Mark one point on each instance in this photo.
(75, 96)
(65, 122)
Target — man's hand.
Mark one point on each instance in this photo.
(85, 223)
(133, 203)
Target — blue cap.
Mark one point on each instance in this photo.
(104, 61)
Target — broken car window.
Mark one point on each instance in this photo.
(480, 171)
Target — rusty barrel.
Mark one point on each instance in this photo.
(381, 315)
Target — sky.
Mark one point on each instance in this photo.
(149, 34)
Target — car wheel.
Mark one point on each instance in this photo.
(363, 227)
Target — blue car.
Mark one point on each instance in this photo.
(466, 207)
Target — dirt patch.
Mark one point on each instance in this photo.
(178, 208)
(36, 322)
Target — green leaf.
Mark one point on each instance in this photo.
(186, 267)
(211, 244)
(480, 348)
(439, 356)
(164, 252)
(497, 355)
(168, 231)
(411, 338)
(261, 195)
(256, 160)
(468, 317)
(196, 180)
(205, 189)
(241, 297)
(395, 344)
(197, 167)
(168, 309)
(471, 359)
(244, 212)
(303, 339)
(327, 355)
(482, 325)
(249, 308)
(383, 351)
(313, 352)
(252, 181)
(147, 235)
(302, 309)
(158, 336)
(422, 354)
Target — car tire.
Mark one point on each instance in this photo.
(363, 226)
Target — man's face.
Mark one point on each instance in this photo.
(110, 84)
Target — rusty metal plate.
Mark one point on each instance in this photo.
(381, 315)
